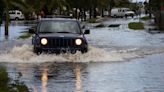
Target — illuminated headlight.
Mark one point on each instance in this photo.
(78, 41)
(44, 41)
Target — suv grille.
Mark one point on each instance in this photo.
(61, 42)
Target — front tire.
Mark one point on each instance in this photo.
(16, 18)
(132, 16)
(85, 50)
(37, 51)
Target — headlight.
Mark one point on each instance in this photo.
(78, 41)
(44, 41)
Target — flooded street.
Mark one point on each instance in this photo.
(139, 75)
(119, 60)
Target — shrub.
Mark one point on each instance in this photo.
(92, 20)
(9, 85)
(24, 36)
(145, 18)
(136, 25)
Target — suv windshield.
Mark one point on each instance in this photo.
(59, 27)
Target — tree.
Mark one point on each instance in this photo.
(154, 5)
(1, 11)
(155, 8)
(146, 4)
(103, 4)
(121, 3)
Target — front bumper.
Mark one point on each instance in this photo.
(61, 49)
(61, 45)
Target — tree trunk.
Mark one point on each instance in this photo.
(60, 10)
(7, 21)
(90, 13)
(85, 17)
(76, 16)
(112, 3)
(102, 12)
(95, 13)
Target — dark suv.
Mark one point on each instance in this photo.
(59, 35)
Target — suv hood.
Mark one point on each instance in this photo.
(59, 35)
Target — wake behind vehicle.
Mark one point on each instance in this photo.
(59, 35)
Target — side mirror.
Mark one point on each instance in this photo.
(87, 31)
(31, 30)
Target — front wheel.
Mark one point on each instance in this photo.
(16, 18)
(37, 51)
(132, 16)
(126, 15)
(84, 50)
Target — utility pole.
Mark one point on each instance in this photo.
(1, 14)
(140, 11)
(7, 20)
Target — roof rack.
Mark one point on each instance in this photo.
(58, 16)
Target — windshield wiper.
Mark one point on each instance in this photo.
(65, 32)
(46, 32)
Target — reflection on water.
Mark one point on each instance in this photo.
(78, 78)
(15, 29)
(77, 73)
(52, 77)
(14, 32)
(141, 75)
(44, 79)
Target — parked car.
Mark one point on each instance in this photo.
(16, 15)
(121, 12)
(59, 35)
(129, 13)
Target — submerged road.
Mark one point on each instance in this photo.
(139, 75)
(119, 60)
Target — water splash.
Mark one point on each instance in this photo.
(24, 54)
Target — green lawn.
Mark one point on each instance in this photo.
(92, 20)
(10, 85)
(145, 18)
(24, 35)
(136, 25)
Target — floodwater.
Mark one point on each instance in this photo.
(15, 29)
(119, 60)
(105, 45)
(140, 75)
